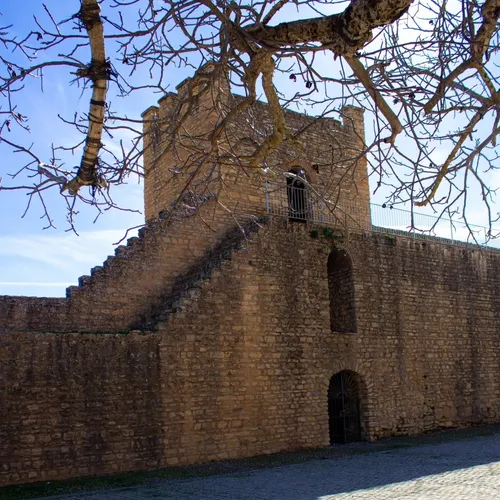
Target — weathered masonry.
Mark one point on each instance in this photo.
(290, 329)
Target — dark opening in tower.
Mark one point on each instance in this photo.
(298, 199)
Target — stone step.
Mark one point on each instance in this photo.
(84, 280)
(121, 250)
(72, 291)
(132, 241)
(96, 271)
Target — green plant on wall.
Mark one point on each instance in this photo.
(326, 233)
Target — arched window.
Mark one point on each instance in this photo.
(341, 287)
(344, 415)
(298, 202)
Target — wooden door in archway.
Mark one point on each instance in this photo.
(343, 408)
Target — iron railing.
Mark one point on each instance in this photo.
(309, 205)
(455, 231)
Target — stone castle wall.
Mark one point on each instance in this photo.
(210, 335)
(242, 366)
(78, 404)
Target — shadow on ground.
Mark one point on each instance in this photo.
(305, 475)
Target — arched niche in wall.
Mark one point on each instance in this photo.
(341, 288)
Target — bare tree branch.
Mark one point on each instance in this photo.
(428, 80)
(98, 72)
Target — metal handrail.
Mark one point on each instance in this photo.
(302, 202)
(455, 231)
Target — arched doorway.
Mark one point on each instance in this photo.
(344, 408)
(298, 203)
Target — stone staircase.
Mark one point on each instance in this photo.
(97, 272)
(153, 272)
(187, 287)
(146, 281)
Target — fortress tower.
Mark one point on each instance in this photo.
(318, 174)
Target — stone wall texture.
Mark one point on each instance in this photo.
(78, 404)
(240, 364)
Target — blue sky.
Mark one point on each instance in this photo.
(34, 261)
(39, 262)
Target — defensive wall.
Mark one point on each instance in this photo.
(240, 364)
(216, 332)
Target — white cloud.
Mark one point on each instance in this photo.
(66, 251)
(28, 283)
(45, 265)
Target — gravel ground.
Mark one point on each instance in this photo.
(467, 469)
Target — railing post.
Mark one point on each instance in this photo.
(268, 204)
